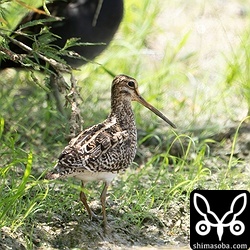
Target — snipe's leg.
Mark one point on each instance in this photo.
(103, 202)
(83, 198)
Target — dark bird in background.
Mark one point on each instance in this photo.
(93, 21)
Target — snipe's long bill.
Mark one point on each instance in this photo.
(100, 152)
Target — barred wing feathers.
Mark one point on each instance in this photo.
(100, 148)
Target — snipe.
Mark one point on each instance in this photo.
(101, 151)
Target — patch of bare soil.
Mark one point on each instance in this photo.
(241, 150)
(81, 233)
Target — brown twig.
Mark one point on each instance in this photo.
(13, 56)
(31, 8)
(75, 119)
(58, 67)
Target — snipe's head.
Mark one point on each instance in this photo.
(126, 87)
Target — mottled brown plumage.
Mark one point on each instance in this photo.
(101, 151)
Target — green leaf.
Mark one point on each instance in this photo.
(72, 42)
(43, 22)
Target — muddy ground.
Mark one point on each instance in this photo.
(169, 231)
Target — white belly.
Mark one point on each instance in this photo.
(87, 176)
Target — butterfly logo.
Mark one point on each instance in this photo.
(203, 227)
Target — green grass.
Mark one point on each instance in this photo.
(169, 164)
(238, 68)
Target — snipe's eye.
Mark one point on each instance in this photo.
(131, 84)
